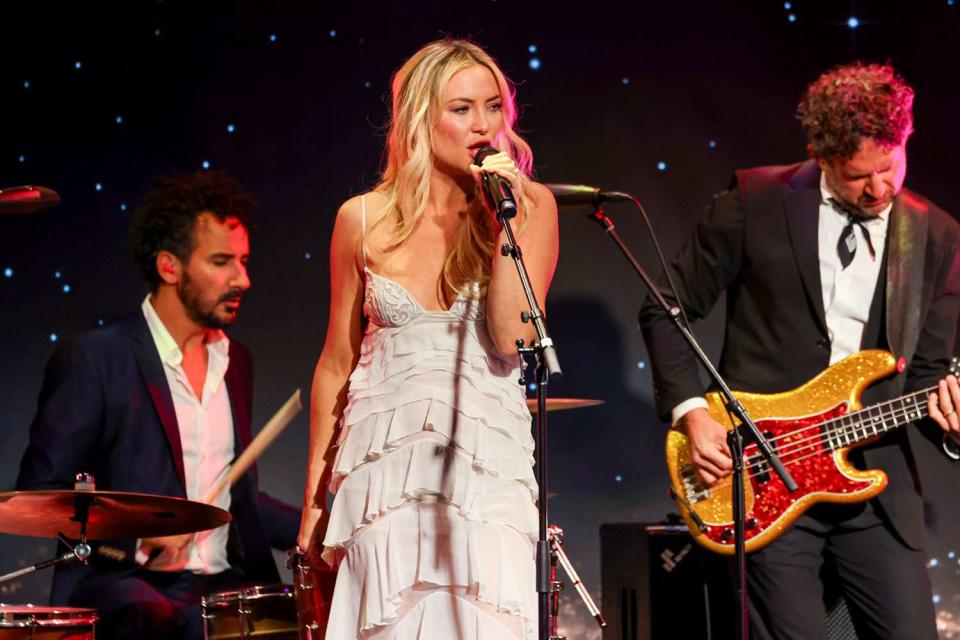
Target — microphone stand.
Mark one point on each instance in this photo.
(735, 438)
(548, 368)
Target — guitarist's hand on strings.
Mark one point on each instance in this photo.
(943, 406)
(709, 452)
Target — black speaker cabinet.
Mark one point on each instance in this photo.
(659, 584)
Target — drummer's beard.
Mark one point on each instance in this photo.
(207, 314)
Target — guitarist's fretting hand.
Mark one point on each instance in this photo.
(943, 407)
(708, 445)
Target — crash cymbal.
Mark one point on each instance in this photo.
(112, 514)
(562, 404)
(27, 199)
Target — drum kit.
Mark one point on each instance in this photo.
(85, 514)
(276, 612)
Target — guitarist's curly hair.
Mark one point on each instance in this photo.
(852, 102)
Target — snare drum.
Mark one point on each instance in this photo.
(255, 612)
(27, 622)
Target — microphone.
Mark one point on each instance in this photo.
(578, 195)
(496, 188)
(27, 199)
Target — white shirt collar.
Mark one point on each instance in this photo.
(218, 346)
(826, 196)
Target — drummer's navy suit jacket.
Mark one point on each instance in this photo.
(105, 408)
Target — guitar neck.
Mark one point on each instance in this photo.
(875, 420)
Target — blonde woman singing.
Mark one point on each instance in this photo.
(418, 424)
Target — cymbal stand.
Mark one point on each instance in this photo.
(558, 555)
(80, 551)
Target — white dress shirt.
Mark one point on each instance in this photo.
(206, 437)
(847, 293)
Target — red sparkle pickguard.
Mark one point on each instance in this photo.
(813, 466)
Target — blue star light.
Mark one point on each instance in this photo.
(788, 5)
(57, 275)
(98, 186)
(123, 206)
(8, 272)
(118, 119)
(641, 364)
(662, 166)
(156, 33)
(205, 164)
(333, 33)
(273, 37)
(933, 562)
(78, 65)
(66, 288)
(534, 63)
(791, 18)
(532, 387)
(618, 478)
(853, 22)
(712, 144)
(625, 80)
(53, 337)
(367, 84)
(936, 598)
(26, 84)
(532, 48)
(100, 322)
(22, 158)
(231, 128)
(307, 255)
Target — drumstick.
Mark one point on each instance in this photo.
(271, 430)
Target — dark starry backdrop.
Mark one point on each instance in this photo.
(660, 99)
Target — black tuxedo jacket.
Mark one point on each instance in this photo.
(105, 408)
(758, 244)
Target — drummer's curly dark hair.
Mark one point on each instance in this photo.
(852, 102)
(164, 221)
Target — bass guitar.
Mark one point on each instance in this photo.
(812, 428)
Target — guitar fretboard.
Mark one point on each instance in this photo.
(873, 421)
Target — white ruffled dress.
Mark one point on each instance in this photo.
(434, 522)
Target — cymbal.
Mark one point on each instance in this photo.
(112, 514)
(562, 404)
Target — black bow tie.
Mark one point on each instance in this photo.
(847, 245)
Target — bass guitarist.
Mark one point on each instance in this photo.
(820, 260)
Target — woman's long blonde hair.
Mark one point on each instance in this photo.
(418, 88)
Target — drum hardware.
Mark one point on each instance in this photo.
(83, 513)
(313, 591)
(559, 556)
(264, 611)
(28, 622)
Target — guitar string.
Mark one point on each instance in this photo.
(808, 451)
(861, 420)
(848, 424)
(824, 436)
(758, 460)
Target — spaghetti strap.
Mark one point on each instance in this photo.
(363, 229)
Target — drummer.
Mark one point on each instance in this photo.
(160, 403)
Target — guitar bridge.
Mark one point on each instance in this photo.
(692, 487)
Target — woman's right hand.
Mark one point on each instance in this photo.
(313, 527)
